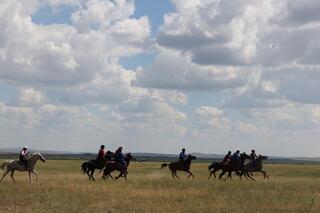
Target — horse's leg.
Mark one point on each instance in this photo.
(264, 174)
(5, 174)
(88, 174)
(37, 174)
(190, 174)
(172, 174)
(125, 175)
(210, 175)
(91, 174)
(121, 173)
(175, 174)
(30, 179)
(11, 175)
(249, 176)
(222, 173)
(111, 176)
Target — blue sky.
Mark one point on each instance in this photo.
(216, 77)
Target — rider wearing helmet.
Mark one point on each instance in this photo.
(24, 155)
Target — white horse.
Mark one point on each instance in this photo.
(13, 165)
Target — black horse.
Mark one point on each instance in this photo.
(185, 166)
(89, 167)
(115, 166)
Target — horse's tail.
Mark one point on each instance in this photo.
(84, 167)
(3, 166)
(164, 165)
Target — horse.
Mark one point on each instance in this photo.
(13, 165)
(236, 167)
(89, 167)
(175, 166)
(113, 166)
(213, 168)
(257, 166)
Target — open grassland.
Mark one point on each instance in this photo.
(62, 188)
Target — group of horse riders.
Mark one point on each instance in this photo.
(235, 157)
(101, 158)
(120, 158)
(229, 157)
(117, 155)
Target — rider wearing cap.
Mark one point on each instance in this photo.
(23, 156)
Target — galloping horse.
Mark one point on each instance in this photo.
(113, 166)
(175, 166)
(257, 166)
(13, 165)
(213, 168)
(90, 166)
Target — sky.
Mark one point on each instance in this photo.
(156, 76)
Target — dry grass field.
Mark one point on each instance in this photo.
(62, 188)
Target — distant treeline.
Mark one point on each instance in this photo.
(153, 158)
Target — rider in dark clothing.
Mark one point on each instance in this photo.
(120, 158)
(101, 153)
(254, 157)
(23, 156)
(235, 157)
(226, 158)
(182, 156)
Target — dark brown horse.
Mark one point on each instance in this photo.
(257, 166)
(115, 166)
(180, 166)
(90, 166)
(213, 168)
(237, 167)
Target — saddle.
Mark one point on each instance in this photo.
(21, 163)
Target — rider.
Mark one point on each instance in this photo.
(120, 158)
(226, 158)
(24, 155)
(235, 157)
(101, 153)
(254, 157)
(182, 156)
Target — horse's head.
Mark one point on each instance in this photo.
(38, 156)
(214, 165)
(211, 166)
(261, 157)
(191, 157)
(109, 153)
(245, 156)
(130, 157)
